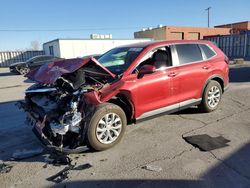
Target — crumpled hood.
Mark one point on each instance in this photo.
(49, 73)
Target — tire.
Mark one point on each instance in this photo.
(211, 97)
(23, 70)
(101, 129)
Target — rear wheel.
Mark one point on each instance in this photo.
(106, 127)
(23, 70)
(211, 97)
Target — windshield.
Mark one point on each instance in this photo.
(118, 60)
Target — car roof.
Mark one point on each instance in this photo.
(159, 43)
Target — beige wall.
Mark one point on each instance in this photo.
(190, 32)
(156, 33)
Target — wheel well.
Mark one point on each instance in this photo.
(121, 101)
(221, 82)
(215, 78)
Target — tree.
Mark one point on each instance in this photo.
(35, 45)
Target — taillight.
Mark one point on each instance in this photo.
(226, 60)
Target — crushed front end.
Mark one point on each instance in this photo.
(57, 117)
(57, 108)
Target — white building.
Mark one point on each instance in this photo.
(71, 48)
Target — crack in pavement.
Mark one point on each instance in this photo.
(191, 118)
(162, 159)
(229, 166)
(206, 124)
(240, 105)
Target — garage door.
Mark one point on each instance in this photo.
(193, 36)
(176, 35)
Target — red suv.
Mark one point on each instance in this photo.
(88, 102)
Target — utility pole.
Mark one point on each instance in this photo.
(208, 16)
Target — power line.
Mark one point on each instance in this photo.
(63, 30)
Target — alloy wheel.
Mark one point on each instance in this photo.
(214, 96)
(108, 128)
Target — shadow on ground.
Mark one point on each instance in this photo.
(7, 74)
(239, 74)
(28, 81)
(231, 172)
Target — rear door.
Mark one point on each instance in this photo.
(193, 71)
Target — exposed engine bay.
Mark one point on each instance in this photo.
(58, 111)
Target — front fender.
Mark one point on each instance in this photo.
(104, 94)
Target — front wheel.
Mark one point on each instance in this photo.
(23, 70)
(211, 97)
(106, 127)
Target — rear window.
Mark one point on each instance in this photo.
(188, 53)
(207, 51)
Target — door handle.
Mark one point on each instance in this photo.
(172, 74)
(206, 67)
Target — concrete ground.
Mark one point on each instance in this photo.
(157, 142)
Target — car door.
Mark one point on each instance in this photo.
(155, 91)
(193, 71)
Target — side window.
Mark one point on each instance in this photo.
(37, 59)
(188, 53)
(159, 57)
(207, 51)
(42, 58)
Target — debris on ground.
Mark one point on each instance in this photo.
(61, 160)
(63, 174)
(57, 159)
(5, 168)
(152, 168)
(24, 154)
(76, 157)
(60, 176)
(206, 143)
(102, 160)
(83, 167)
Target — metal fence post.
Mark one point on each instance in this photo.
(245, 45)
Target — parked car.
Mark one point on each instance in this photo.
(34, 62)
(96, 56)
(82, 102)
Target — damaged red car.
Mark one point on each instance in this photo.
(88, 102)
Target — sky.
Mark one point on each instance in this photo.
(23, 21)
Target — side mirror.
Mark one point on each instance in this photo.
(146, 69)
